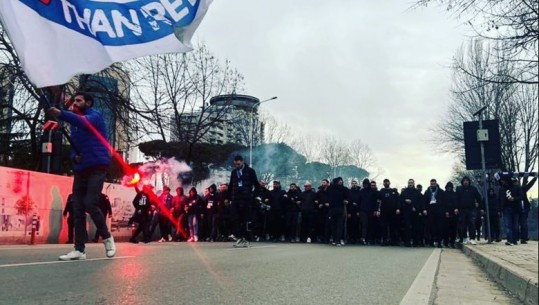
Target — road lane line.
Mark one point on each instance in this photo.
(421, 290)
(61, 262)
(255, 247)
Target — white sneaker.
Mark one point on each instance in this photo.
(73, 256)
(169, 238)
(231, 236)
(110, 247)
(308, 240)
(195, 239)
(162, 240)
(473, 242)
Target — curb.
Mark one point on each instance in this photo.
(522, 283)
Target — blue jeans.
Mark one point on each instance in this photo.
(87, 188)
(510, 220)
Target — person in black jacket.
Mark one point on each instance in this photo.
(468, 200)
(434, 207)
(243, 182)
(308, 213)
(292, 207)
(212, 211)
(451, 218)
(510, 198)
(523, 216)
(276, 215)
(106, 209)
(142, 205)
(494, 214)
(68, 211)
(389, 214)
(352, 211)
(322, 202)
(337, 194)
(261, 211)
(410, 200)
(367, 206)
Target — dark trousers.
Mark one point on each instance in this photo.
(291, 220)
(494, 227)
(87, 188)
(308, 222)
(451, 227)
(241, 220)
(336, 224)
(523, 224)
(322, 227)
(435, 225)
(142, 227)
(363, 225)
(467, 223)
(70, 229)
(389, 226)
(407, 227)
(418, 229)
(214, 220)
(352, 228)
(276, 224)
(164, 226)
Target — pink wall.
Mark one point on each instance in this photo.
(47, 195)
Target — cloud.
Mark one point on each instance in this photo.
(373, 70)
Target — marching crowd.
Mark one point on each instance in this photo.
(246, 210)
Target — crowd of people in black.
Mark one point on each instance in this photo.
(246, 210)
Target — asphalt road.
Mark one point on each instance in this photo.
(209, 273)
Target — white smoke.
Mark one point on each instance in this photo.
(163, 172)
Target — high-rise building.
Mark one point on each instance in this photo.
(227, 119)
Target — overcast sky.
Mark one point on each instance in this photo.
(372, 70)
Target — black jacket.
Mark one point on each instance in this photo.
(415, 196)
(389, 200)
(468, 197)
(353, 200)
(368, 200)
(337, 194)
(243, 182)
(308, 199)
(514, 191)
(439, 196)
(292, 201)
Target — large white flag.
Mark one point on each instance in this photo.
(57, 39)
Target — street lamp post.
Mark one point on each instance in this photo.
(252, 127)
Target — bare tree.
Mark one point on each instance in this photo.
(275, 131)
(361, 155)
(335, 152)
(513, 27)
(513, 104)
(173, 92)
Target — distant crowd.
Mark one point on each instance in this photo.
(335, 214)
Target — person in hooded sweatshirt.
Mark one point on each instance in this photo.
(510, 198)
(468, 200)
(367, 206)
(450, 218)
(337, 194)
(433, 209)
(494, 215)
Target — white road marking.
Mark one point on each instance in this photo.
(420, 292)
(255, 247)
(61, 262)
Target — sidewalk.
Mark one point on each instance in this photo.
(514, 267)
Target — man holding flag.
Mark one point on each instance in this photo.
(90, 163)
